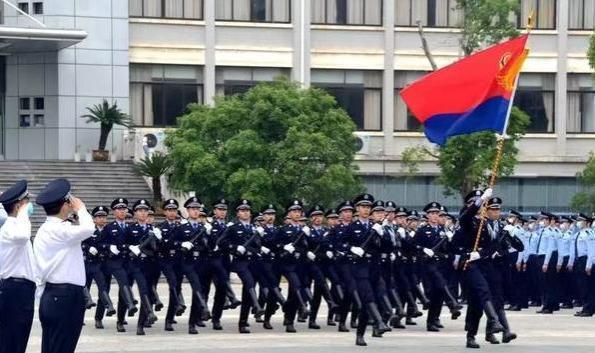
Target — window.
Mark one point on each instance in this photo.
(545, 13)
(347, 12)
(358, 92)
(159, 94)
(535, 96)
(238, 80)
(431, 13)
(581, 14)
(31, 111)
(253, 10)
(184, 9)
(580, 114)
(403, 119)
(38, 8)
(24, 6)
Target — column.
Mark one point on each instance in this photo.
(209, 69)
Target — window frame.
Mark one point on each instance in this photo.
(326, 23)
(414, 25)
(581, 98)
(582, 27)
(163, 17)
(521, 23)
(289, 20)
(539, 90)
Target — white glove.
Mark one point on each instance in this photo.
(229, 224)
(495, 255)
(509, 228)
(412, 234)
(311, 256)
(93, 251)
(114, 249)
(135, 249)
(393, 257)
(385, 222)
(216, 248)
(428, 252)
(289, 248)
(401, 232)
(265, 250)
(306, 230)
(187, 245)
(260, 230)
(357, 251)
(449, 235)
(157, 233)
(208, 228)
(329, 254)
(487, 194)
(474, 256)
(241, 249)
(183, 221)
(378, 228)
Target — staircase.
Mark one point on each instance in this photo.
(96, 183)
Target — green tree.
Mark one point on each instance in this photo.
(106, 116)
(271, 144)
(591, 51)
(154, 167)
(466, 161)
(585, 201)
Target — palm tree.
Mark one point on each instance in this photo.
(154, 167)
(107, 116)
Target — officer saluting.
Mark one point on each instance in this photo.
(62, 269)
(17, 271)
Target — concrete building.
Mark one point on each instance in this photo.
(155, 56)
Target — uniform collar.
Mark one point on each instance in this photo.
(53, 219)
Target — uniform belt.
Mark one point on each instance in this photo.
(18, 280)
(62, 286)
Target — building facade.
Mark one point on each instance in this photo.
(154, 57)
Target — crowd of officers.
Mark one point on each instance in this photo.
(374, 264)
(371, 261)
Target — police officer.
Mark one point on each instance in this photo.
(94, 261)
(18, 270)
(59, 256)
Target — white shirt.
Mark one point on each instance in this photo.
(16, 251)
(58, 250)
(3, 215)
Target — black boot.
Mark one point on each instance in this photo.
(169, 326)
(491, 338)
(451, 302)
(89, 303)
(234, 302)
(151, 317)
(98, 324)
(267, 324)
(263, 296)
(471, 343)
(330, 320)
(425, 302)
(127, 296)
(507, 336)
(258, 310)
(359, 341)
(120, 327)
(313, 325)
(140, 329)
(375, 315)
(493, 325)
(192, 329)
(399, 309)
(243, 328)
(340, 293)
(409, 321)
(205, 315)
(395, 322)
(342, 327)
(290, 328)
(387, 308)
(107, 304)
(302, 303)
(412, 305)
(217, 326)
(326, 294)
(276, 293)
(158, 303)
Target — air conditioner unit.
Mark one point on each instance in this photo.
(362, 144)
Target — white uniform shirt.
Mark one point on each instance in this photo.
(16, 251)
(58, 249)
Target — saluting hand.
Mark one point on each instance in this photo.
(76, 204)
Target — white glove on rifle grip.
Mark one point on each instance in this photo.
(357, 251)
(306, 230)
(208, 228)
(289, 248)
(428, 252)
(241, 249)
(393, 257)
(329, 254)
(509, 228)
(187, 245)
(114, 249)
(474, 256)
(311, 256)
(401, 232)
(487, 194)
(378, 228)
(260, 230)
(93, 251)
(265, 250)
(135, 249)
(157, 233)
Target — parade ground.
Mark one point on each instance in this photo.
(561, 332)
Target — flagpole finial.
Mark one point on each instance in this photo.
(530, 20)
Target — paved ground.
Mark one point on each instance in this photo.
(537, 333)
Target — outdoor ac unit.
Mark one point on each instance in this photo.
(362, 144)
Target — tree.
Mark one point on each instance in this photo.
(270, 144)
(585, 201)
(591, 51)
(106, 116)
(154, 167)
(466, 161)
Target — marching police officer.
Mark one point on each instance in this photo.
(59, 255)
(18, 270)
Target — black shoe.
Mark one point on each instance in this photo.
(313, 325)
(343, 328)
(417, 314)
(267, 325)
(120, 327)
(395, 322)
(353, 324)
(169, 326)
(514, 308)
(180, 310)
(290, 328)
(433, 328)
(258, 319)
(174, 322)
(409, 321)
(438, 324)
(148, 324)
(359, 341)
(124, 322)
(471, 343)
(217, 326)
(131, 313)
(567, 306)
(200, 323)
(492, 339)
(544, 311)
(508, 336)
(330, 322)
(234, 304)
(376, 333)
(140, 330)
(99, 324)
(244, 329)
(455, 313)
(583, 314)
(158, 306)
(192, 330)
